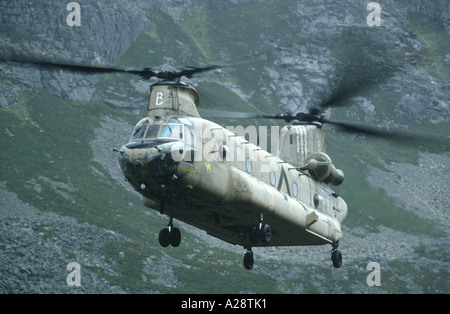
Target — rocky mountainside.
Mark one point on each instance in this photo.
(62, 195)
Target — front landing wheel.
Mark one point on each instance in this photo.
(175, 237)
(336, 258)
(169, 236)
(164, 237)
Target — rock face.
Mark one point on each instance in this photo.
(395, 75)
(34, 250)
(36, 30)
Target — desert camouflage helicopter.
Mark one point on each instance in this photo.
(208, 176)
(203, 174)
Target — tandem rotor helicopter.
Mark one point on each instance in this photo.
(196, 171)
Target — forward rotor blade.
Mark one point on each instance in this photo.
(212, 113)
(192, 70)
(145, 73)
(287, 117)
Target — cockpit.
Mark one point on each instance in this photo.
(146, 130)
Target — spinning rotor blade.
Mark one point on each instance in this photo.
(145, 73)
(338, 98)
(402, 137)
(351, 85)
(212, 113)
(353, 128)
(192, 70)
(288, 117)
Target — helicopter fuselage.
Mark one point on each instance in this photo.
(207, 176)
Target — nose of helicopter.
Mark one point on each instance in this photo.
(138, 162)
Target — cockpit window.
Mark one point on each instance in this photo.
(172, 131)
(152, 131)
(167, 131)
(139, 130)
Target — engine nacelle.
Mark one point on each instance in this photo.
(320, 167)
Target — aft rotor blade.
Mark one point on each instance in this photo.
(350, 87)
(404, 137)
(341, 97)
(352, 128)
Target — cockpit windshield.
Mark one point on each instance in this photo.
(172, 131)
(139, 129)
(166, 131)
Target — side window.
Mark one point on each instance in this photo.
(139, 130)
(272, 177)
(294, 189)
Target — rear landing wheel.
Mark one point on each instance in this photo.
(265, 234)
(261, 234)
(248, 260)
(169, 235)
(336, 258)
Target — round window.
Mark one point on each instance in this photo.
(294, 189)
(272, 178)
(223, 151)
(248, 165)
(316, 200)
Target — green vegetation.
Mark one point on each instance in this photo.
(435, 42)
(369, 207)
(51, 145)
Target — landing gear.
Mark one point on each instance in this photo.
(169, 235)
(248, 259)
(265, 234)
(164, 237)
(260, 234)
(336, 256)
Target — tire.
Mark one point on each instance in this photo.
(336, 258)
(175, 237)
(164, 237)
(248, 260)
(265, 234)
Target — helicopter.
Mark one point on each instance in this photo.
(203, 174)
